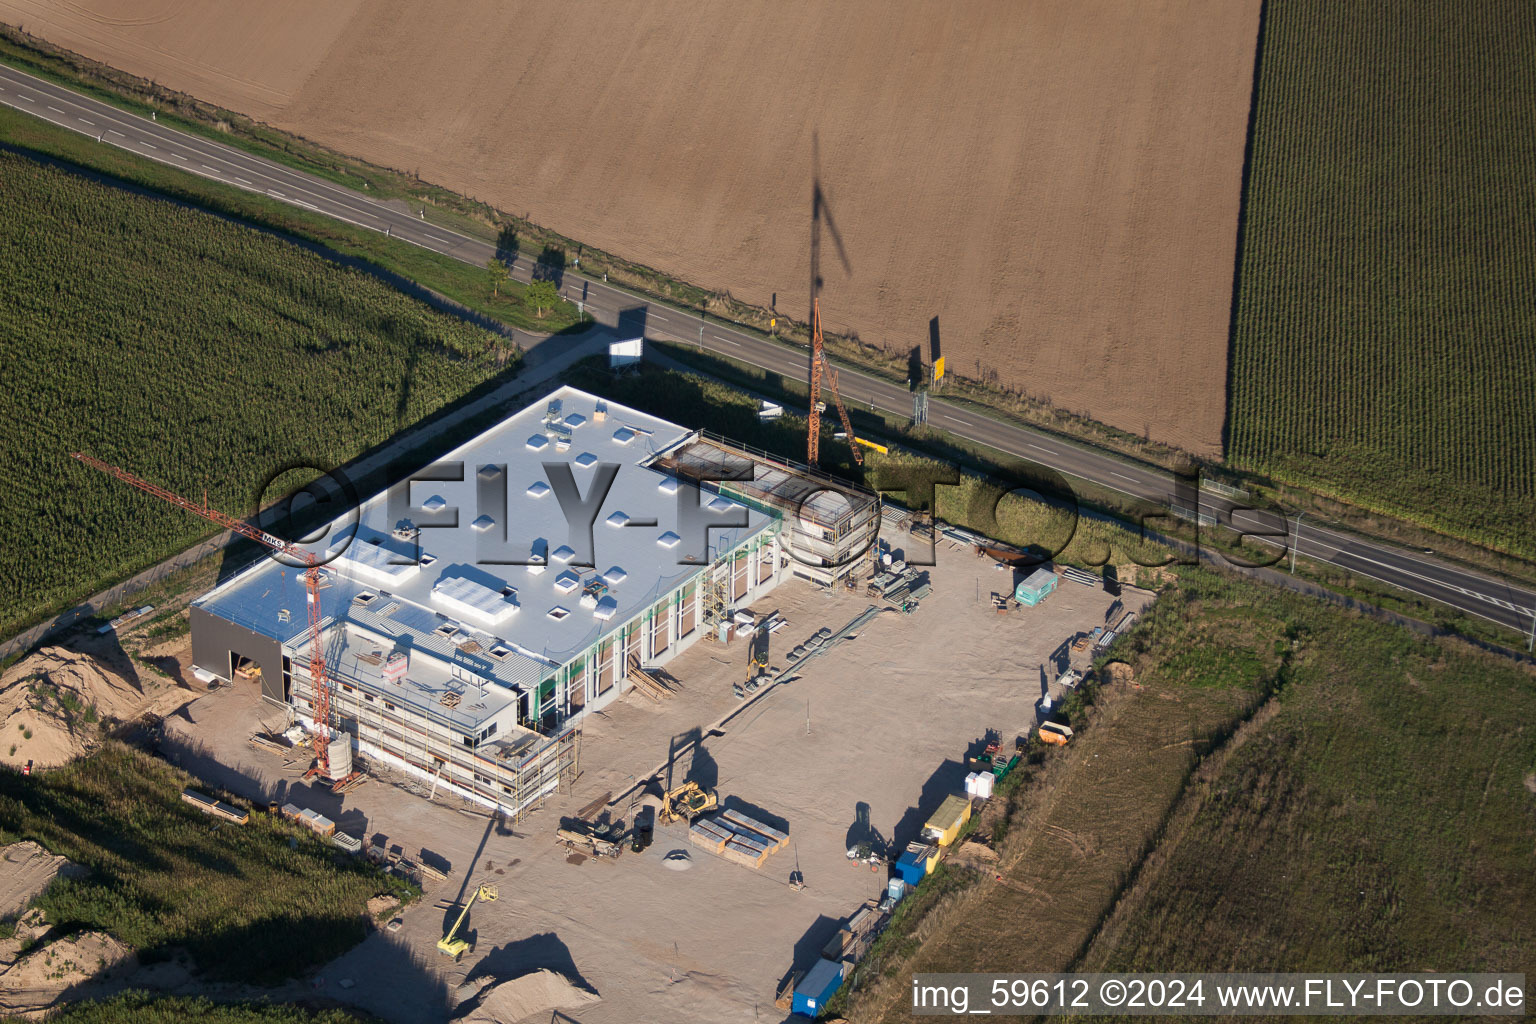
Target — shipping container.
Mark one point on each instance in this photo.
(819, 984)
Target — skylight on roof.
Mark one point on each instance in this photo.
(490, 472)
(606, 607)
(434, 503)
(623, 435)
(557, 613)
(667, 486)
(618, 519)
(585, 460)
(566, 581)
(575, 420)
(616, 575)
(483, 523)
(538, 441)
(669, 540)
(538, 488)
(721, 504)
(564, 553)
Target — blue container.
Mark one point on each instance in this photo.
(912, 867)
(818, 985)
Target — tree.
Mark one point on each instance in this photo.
(541, 295)
(499, 274)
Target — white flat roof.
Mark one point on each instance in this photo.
(462, 581)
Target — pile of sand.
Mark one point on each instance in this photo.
(26, 869)
(1119, 673)
(36, 981)
(52, 702)
(533, 994)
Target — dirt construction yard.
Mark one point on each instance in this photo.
(869, 739)
(1056, 181)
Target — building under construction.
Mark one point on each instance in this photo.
(464, 638)
(828, 525)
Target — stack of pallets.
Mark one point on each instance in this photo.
(738, 838)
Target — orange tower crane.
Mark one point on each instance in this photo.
(317, 672)
(820, 367)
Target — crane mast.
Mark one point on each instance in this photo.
(821, 367)
(317, 672)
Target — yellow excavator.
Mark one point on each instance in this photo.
(685, 803)
(450, 944)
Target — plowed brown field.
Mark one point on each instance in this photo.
(1056, 181)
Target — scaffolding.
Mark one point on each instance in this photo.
(511, 774)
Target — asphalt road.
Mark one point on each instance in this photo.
(1413, 571)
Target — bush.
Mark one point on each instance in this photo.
(247, 902)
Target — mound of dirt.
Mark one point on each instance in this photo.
(51, 703)
(36, 981)
(533, 994)
(26, 869)
(1120, 673)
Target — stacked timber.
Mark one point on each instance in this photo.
(217, 808)
(742, 849)
(644, 682)
(738, 838)
(709, 835)
(741, 823)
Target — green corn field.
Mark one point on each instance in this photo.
(194, 352)
(1385, 339)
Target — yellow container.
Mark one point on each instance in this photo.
(945, 824)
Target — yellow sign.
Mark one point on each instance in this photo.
(938, 368)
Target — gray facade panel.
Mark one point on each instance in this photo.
(214, 639)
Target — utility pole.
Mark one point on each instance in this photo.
(1296, 540)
